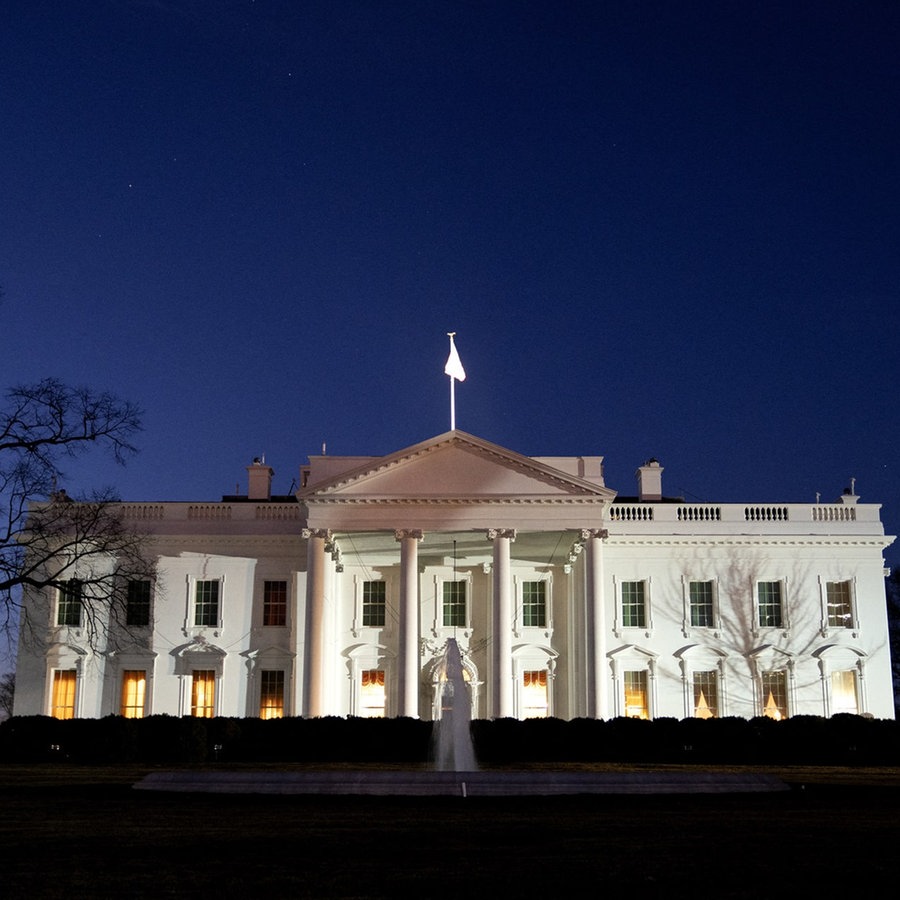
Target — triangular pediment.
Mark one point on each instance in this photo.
(453, 466)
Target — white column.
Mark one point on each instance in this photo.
(501, 636)
(408, 650)
(314, 664)
(598, 695)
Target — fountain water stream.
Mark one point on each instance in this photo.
(453, 749)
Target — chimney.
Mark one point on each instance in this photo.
(259, 477)
(649, 479)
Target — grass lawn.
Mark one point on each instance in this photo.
(81, 832)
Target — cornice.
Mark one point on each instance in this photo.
(478, 500)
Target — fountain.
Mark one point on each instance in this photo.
(453, 750)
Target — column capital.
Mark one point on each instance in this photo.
(588, 533)
(323, 533)
(494, 533)
(401, 533)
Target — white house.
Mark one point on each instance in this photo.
(565, 599)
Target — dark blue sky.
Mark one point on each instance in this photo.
(658, 229)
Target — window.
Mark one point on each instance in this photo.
(774, 692)
(455, 603)
(534, 604)
(706, 694)
(844, 696)
(634, 611)
(770, 604)
(701, 593)
(534, 693)
(203, 693)
(62, 702)
(271, 694)
(840, 608)
(68, 610)
(134, 690)
(137, 604)
(372, 694)
(274, 603)
(374, 603)
(636, 705)
(206, 608)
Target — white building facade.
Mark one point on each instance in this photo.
(565, 599)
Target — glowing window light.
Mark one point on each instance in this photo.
(62, 705)
(535, 704)
(636, 705)
(134, 687)
(203, 694)
(372, 694)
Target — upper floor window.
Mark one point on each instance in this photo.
(134, 692)
(534, 603)
(137, 604)
(839, 602)
(206, 605)
(374, 603)
(274, 603)
(701, 595)
(634, 607)
(771, 604)
(455, 603)
(68, 609)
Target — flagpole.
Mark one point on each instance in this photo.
(452, 403)
(456, 372)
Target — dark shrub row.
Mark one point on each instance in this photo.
(166, 740)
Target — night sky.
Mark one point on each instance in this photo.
(658, 229)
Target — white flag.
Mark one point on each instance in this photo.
(454, 367)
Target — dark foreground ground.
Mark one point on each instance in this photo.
(85, 833)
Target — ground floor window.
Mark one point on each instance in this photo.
(535, 702)
(372, 694)
(203, 693)
(706, 694)
(62, 702)
(774, 694)
(844, 695)
(134, 691)
(637, 705)
(271, 694)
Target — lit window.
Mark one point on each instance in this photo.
(634, 610)
(844, 696)
(137, 604)
(68, 611)
(840, 609)
(134, 689)
(271, 694)
(534, 604)
(455, 603)
(62, 703)
(636, 705)
(372, 694)
(706, 695)
(275, 603)
(770, 604)
(203, 693)
(534, 694)
(374, 603)
(206, 608)
(774, 692)
(701, 604)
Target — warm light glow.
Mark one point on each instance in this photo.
(636, 706)
(771, 708)
(703, 711)
(63, 702)
(843, 692)
(203, 694)
(534, 695)
(134, 687)
(271, 694)
(372, 694)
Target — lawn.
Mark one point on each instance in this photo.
(81, 832)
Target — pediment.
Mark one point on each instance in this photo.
(453, 466)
